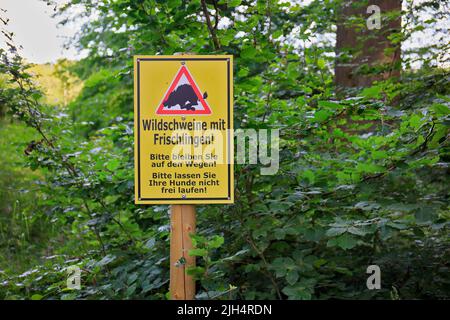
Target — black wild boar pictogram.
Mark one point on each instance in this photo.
(184, 96)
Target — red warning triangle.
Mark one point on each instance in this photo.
(183, 96)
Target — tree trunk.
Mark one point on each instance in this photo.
(363, 55)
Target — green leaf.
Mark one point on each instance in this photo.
(314, 234)
(357, 231)
(277, 34)
(369, 168)
(321, 115)
(320, 262)
(248, 53)
(415, 121)
(440, 109)
(37, 297)
(197, 240)
(425, 214)
(112, 164)
(150, 243)
(301, 290)
(131, 289)
(373, 92)
(309, 175)
(277, 206)
(282, 265)
(243, 72)
(106, 260)
(379, 154)
(329, 104)
(234, 3)
(69, 296)
(195, 271)
(132, 278)
(335, 231)
(236, 255)
(321, 63)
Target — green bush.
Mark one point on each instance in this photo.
(363, 179)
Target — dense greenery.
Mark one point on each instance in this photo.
(363, 177)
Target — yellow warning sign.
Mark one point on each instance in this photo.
(183, 121)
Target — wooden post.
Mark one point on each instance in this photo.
(182, 223)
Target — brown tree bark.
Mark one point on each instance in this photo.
(362, 55)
